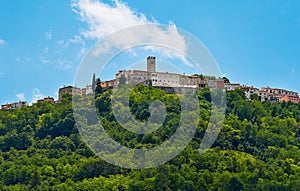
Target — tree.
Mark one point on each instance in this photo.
(234, 185)
(99, 89)
(257, 148)
(94, 83)
(35, 178)
(162, 179)
(226, 80)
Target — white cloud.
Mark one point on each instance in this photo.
(24, 60)
(76, 40)
(64, 53)
(61, 42)
(58, 62)
(64, 64)
(81, 52)
(48, 35)
(104, 19)
(21, 96)
(36, 95)
(58, 56)
(55, 95)
(2, 41)
(293, 70)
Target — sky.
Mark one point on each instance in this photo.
(42, 43)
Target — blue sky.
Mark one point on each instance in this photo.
(43, 42)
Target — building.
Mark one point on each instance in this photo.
(263, 96)
(151, 64)
(164, 79)
(280, 95)
(216, 84)
(271, 94)
(7, 106)
(68, 89)
(286, 98)
(132, 76)
(109, 83)
(83, 91)
(150, 77)
(46, 99)
(231, 86)
(250, 90)
(280, 92)
(87, 90)
(193, 81)
(15, 105)
(181, 83)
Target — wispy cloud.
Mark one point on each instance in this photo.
(48, 35)
(2, 41)
(60, 56)
(55, 95)
(98, 16)
(24, 60)
(64, 53)
(292, 70)
(36, 95)
(76, 40)
(21, 96)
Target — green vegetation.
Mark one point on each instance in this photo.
(257, 149)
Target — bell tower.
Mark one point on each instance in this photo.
(151, 65)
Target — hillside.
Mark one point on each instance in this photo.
(257, 149)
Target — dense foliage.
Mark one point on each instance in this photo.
(257, 149)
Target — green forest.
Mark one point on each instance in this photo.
(257, 148)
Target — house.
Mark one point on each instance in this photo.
(68, 89)
(286, 98)
(216, 84)
(250, 90)
(86, 90)
(231, 86)
(15, 105)
(109, 83)
(280, 95)
(46, 99)
(7, 106)
(263, 96)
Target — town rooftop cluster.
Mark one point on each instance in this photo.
(171, 83)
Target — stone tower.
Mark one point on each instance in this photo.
(151, 65)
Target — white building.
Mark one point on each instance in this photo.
(231, 86)
(165, 79)
(263, 96)
(88, 89)
(279, 92)
(250, 90)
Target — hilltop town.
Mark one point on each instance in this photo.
(171, 83)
